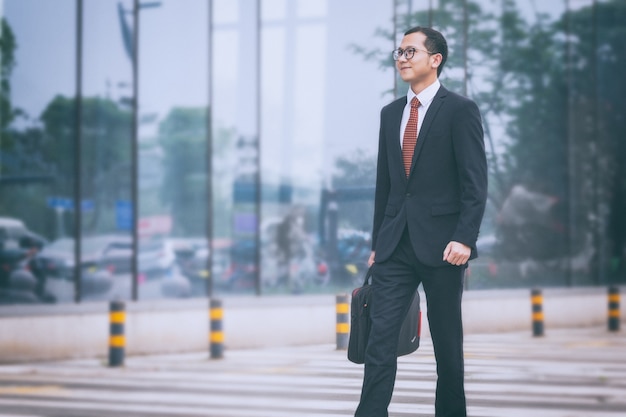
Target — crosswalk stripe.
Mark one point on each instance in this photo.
(514, 377)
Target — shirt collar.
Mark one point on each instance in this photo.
(426, 95)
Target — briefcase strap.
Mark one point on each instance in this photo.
(368, 275)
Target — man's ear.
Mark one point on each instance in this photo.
(436, 61)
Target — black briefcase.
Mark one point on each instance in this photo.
(409, 339)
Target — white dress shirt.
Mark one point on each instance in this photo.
(425, 97)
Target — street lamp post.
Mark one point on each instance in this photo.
(131, 42)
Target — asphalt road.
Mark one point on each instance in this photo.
(566, 373)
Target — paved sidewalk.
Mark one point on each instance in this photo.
(567, 373)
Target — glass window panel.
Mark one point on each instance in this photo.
(596, 117)
(359, 82)
(106, 144)
(273, 9)
(522, 99)
(226, 11)
(273, 72)
(546, 75)
(37, 122)
(173, 96)
(610, 91)
(235, 148)
(312, 8)
(316, 140)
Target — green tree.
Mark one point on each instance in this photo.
(472, 42)
(182, 134)
(550, 92)
(105, 155)
(183, 137)
(8, 45)
(20, 153)
(566, 117)
(596, 58)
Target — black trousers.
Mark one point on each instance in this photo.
(394, 282)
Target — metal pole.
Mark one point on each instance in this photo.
(78, 102)
(209, 156)
(134, 152)
(257, 177)
(572, 168)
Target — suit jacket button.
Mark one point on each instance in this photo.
(408, 194)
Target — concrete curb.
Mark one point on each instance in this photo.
(31, 333)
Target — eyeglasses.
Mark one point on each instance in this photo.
(408, 53)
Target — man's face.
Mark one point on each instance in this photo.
(423, 66)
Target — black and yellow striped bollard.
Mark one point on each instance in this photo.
(216, 329)
(613, 319)
(343, 321)
(537, 309)
(117, 341)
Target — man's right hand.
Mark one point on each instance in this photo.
(370, 261)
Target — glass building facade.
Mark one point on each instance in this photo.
(172, 149)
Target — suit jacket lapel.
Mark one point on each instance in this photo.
(434, 107)
(394, 135)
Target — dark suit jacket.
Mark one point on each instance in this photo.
(443, 199)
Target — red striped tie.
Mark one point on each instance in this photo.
(410, 136)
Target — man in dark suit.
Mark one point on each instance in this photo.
(431, 189)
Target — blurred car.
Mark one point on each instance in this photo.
(19, 278)
(12, 229)
(14, 235)
(353, 250)
(16, 244)
(241, 272)
(117, 258)
(194, 258)
(156, 258)
(112, 253)
(57, 259)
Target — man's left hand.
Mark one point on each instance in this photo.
(456, 253)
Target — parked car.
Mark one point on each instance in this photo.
(101, 252)
(117, 258)
(353, 250)
(21, 280)
(12, 229)
(156, 258)
(193, 259)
